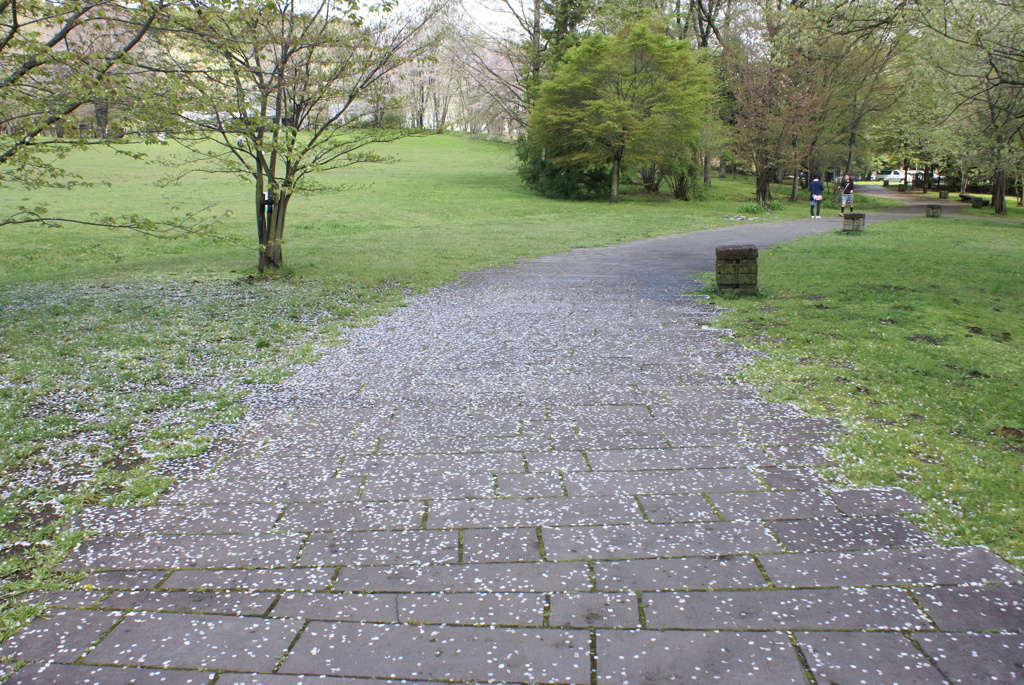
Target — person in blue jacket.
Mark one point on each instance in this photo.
(817, 190)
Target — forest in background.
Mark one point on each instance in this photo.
(278, 93)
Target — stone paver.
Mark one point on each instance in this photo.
(595, 610)
(442, 652)
(62, 636)
(296, 579)
(640, 575)
(889, 567)
(196, 642)
(974, 608)
(538, 474)
(866, 658)
(48, 674)
(972, 658)
(653, 656)
(130, 552)
(238, 603)
(849, 533)
(827, 609)
(521, 577)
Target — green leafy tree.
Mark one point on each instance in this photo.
(59, 62)
(637, 94)
(975, 49)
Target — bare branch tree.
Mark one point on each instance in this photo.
(287, 91)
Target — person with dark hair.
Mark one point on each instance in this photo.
(846, 188)
(817, 190)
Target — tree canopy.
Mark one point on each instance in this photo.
(634, 95)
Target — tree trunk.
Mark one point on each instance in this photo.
(616, 160)
(707, 168)
(851, 144)
(650, 175)
(999, 191)
(101, 115)
(270, 257)
(796, 179)
(763, 181)
(273, 234)
(261, 217)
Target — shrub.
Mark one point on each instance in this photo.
(538, 173)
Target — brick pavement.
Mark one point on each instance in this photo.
(538, 474)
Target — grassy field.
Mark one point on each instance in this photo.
(1013, 212)
(448, 204)
(912, 335)
(118, 350)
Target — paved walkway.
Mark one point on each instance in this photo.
(538, 474)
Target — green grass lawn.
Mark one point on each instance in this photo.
(1013, 212)
(911, 334)
(448, 204)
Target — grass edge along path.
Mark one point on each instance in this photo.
(909, 334)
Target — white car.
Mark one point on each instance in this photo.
(897, 175)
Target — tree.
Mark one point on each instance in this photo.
(56, 59)
(986, 37)
(851, 79)
(703, 18)
(507, 66)
(282, 91)
(976, 48)
(772, 110)
(637, 94)
(999, 141)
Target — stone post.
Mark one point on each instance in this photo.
(933, 211)
(736, 269)
(977, 202)
(854, 221)
(943, 194)
(901, 188)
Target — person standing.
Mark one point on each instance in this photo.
(846, 188)
(817, 190)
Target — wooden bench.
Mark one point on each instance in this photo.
(976, 202)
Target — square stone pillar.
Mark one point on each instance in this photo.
(943, 194)
(933, 211)
(853, 221)
(977, 202)
(736, 269)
